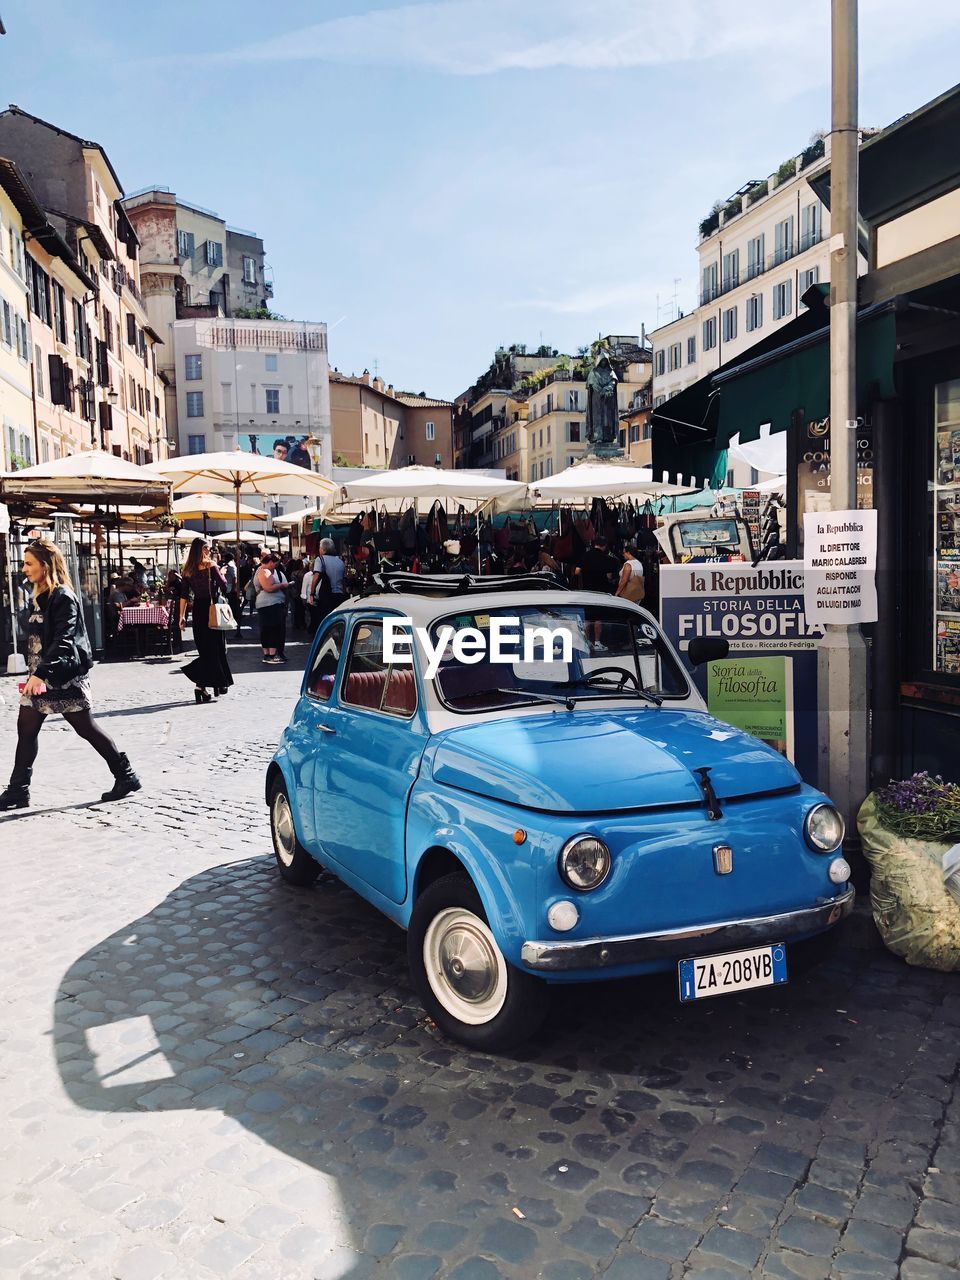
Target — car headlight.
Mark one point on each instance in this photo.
(823, 828)
(584, 862)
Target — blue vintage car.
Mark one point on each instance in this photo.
(566, 813)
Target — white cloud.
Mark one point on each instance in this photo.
(481, 37)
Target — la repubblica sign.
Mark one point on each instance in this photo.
(760, 611)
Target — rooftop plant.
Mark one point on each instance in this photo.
(786, 171)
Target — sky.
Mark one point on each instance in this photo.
(438, 179)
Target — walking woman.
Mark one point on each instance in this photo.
(271, 603)
(203, 582)
(58, 660)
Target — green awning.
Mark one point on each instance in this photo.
(684, 437)
(772, 387)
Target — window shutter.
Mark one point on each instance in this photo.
(103, 371)
(117, 451)
(106, 416)
(90, 401)
(67, 387)
(55, 367)
(131, 329)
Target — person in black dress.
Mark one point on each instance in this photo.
(203, 583)
(58, 661)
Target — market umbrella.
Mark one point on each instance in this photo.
(212, 506)
(431, 482)
(94, 476)
(588, 479)
(258, 535)
(239, 472)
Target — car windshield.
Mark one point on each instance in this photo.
(555, 653)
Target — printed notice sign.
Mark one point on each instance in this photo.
(839, 566)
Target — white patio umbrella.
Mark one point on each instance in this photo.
(430, 482)
(293, 519)
(240, 472)
(588, 479)
(253, 535)
(212, 506)
(94, 476)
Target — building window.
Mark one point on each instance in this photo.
(674, 356)
(782, 299)
(431, 431)
(273, 399)
(196, 444)
(730, 324)
(573, 432)
(38, 366)
(811, 232)
(270, 363)
(548, 435)
(194, 404)
(710, 333)
(40, 289)
(731, 270)
(807, 280)
(711, 283)
(754, 476)
(647, 430)
(692, 349)
(659, 362)
(214, 253)
(59, 313)
(573, 401)
(658, 401)
(7, 332)
(623, 443)
(754, 312)
(193, 368)
(634, 432)
(185, 244)
(755, 252)
(133, 395)
(249, 270)
(783, 240)
(16, 253)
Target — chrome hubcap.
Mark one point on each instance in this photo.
(285, 836)
(466, 971)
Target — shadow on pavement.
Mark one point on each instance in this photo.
(290, 1011)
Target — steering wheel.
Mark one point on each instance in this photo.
(620, 672)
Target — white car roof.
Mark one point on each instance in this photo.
(422, 609)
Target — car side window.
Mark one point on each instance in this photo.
(324, 669)
(372, 683)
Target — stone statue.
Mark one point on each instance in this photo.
(603, 415)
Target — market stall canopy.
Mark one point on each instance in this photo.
(212, 506)
(294, 519)
(587, 479)
(428, 483)
(258, 535)
(240, 472)
(93, 477)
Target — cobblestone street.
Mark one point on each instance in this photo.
(207, 1073)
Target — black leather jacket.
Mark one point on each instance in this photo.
(66, 649)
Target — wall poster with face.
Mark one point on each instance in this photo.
(286, 447)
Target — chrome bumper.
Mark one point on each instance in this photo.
(701, 939)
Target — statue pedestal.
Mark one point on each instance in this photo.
(603, 452)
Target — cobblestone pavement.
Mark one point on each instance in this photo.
(205, 1072)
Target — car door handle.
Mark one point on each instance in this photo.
(325, 728)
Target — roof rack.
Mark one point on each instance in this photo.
(459, 584)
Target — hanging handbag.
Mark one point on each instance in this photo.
(220, 615)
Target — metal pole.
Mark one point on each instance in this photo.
(842, 658)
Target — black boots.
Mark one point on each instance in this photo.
(126, 780)
(17, 793)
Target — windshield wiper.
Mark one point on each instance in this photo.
(587, 682)
(569, 703)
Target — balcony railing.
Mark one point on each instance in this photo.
(807, 241)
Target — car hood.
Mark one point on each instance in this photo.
(591, 761)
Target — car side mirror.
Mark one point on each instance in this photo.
(703, 649)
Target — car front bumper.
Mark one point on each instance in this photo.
(698, 940)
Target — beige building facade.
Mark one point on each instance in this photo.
(18, 442)
(373, 425)
(111, 344)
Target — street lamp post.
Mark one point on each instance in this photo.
(842, 655)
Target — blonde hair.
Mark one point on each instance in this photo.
(54, 565)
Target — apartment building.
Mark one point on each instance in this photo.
(373, 425)
(18, 210)
(260, 386)
(109, 340)
(192, 265)
(636, 429)
(758, 254)
(480, 411)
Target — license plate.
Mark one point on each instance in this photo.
(705, 976)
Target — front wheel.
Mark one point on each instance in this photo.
(294, 862)
(472, 993)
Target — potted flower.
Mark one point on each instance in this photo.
(907, 827)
